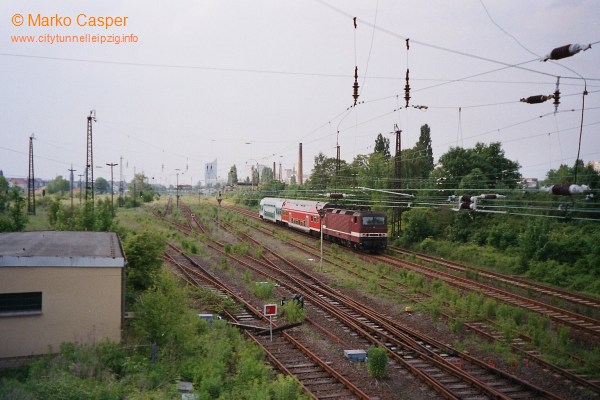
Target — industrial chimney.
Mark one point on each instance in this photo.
(300, 164)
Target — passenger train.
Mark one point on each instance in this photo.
(357, 228)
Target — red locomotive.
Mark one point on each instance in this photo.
(360, 229)
(357, 228)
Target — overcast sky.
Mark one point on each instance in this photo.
(247, 81)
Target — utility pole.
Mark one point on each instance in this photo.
(337, 160)
(31, 180)
(133, 196)
(121, 183)
(89, 171)
(396, 211)
(80, 191)
(112, 189)
(300, 181)
(177, 188)
(71, 170)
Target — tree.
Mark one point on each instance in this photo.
(144, 192)
(101, 186)
(266, 175)
(473, 180)
(324, 173)
(416, 163)
(255, 178)
(12, 217)
(375, 171)
(232, 177)
(495, 170)
(424, 153)
(87, 217)
(586, 175)
(162, 315)
(4, 195)
(418, 225)
(58, 185)
(104, 216)
(382, 146)
(143, 251)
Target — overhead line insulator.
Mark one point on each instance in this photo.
(557, 95)
(566, 51)
(355, 86)
(407, 89)
(537, 99)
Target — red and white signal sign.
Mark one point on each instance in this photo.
(270, 310)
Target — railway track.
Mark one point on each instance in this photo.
(512, 386)
(527, 285)
(519, 345)
(487, 329)
(451, 373)
(583, 323)
(580, 322)
(290, 356)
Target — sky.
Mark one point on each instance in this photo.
(245, 82)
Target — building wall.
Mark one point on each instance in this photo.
(80, 305)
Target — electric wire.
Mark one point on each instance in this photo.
(374, 25)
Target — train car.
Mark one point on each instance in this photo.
(359, 229)
(270, 209)
(302, 215)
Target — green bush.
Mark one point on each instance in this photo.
(293, 311)
(143, 250)
(488, 310)
(457, 326)
(377, 358)
(264, 290)
(285, 388)
(418, 224)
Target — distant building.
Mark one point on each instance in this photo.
(59, 287)
(595, 165)
(22, 183)
(210, 173)
(529, 183)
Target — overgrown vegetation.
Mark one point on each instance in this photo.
(167, 342)
(164, 344)
(12, 208)
(264, 290)
(554, 252)
(293, 311)
(90, 217)
(554, 345)
(377, 358)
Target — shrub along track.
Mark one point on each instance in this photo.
(582, 323)
(547, 294)
(519, 344)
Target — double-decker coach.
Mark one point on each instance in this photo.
(302, 215)
(270, 209)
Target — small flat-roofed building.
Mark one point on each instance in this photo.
(58, 287)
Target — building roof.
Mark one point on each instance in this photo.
(60, 249)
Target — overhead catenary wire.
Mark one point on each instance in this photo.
(445, 49)
(365, 74)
